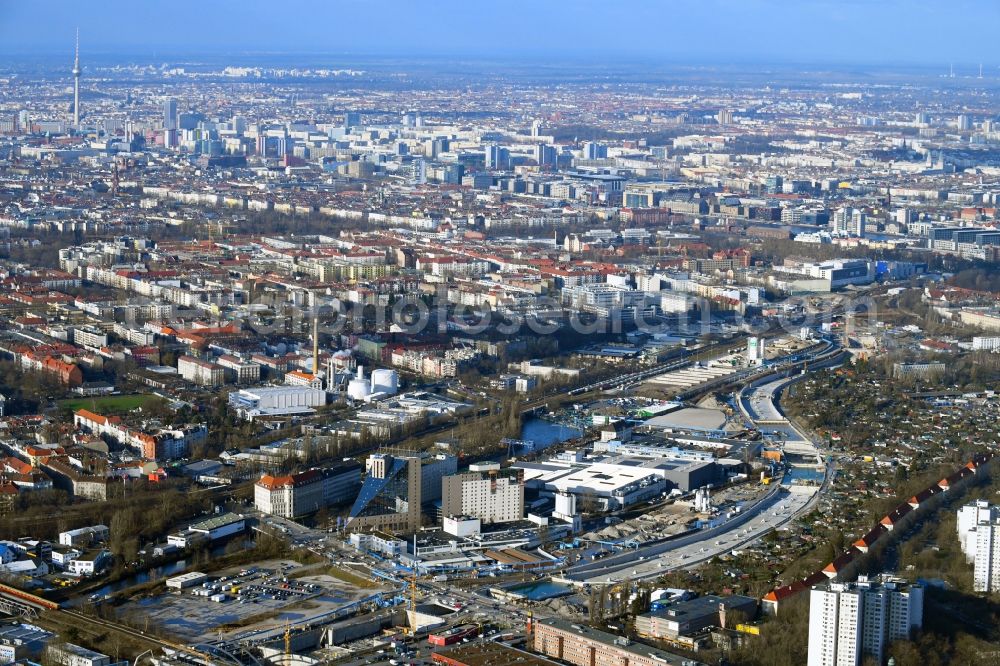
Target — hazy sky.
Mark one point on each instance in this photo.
(711, 31)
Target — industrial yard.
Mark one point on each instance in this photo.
(266, 596)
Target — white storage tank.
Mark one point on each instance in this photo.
(385, 381)
(565, 504)
(357, 388)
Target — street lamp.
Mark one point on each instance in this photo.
(141, 655)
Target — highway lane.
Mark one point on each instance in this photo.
(776, 509)
(780, 508)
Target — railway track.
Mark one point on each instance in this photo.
(115, 626)
(23, 603)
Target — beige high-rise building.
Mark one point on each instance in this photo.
(485, 492)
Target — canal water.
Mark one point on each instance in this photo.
(546, 433)
(156, 573)
(802, 475)
(540, 590)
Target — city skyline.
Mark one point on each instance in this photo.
(890, 33)
(382, 332)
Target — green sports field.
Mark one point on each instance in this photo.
(107, 404)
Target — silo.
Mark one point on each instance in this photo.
(357, 388)
(385, 381)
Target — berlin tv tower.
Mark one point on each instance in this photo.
(76, 83)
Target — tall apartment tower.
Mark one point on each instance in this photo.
(986, 562)
(978, 528)
(594, 151)
(496, 157)
(170, 114)
(969, 518)
(848, 621)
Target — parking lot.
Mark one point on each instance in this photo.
(262, 596)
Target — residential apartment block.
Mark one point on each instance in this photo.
(979, 533)
(201, 372)
(848, 621)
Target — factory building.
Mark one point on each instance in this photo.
(220, 527)
(689, 617)
(581, 645)
(276, 401)
(616, 481)
(201, 372)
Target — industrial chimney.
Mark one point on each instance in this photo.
(315, 346)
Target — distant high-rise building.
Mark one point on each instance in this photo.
(546, 155)
(436, 147)
(724, 117)
(452, 174)
(352, 119)
(189, 120)
(848, 621)
(849, 222)
(170, 114)
(594, 151)
(963, 122)
(418, 171)
(859, 220)
(536, 127)
(921, 118)
(497, 157)
(986, 562)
